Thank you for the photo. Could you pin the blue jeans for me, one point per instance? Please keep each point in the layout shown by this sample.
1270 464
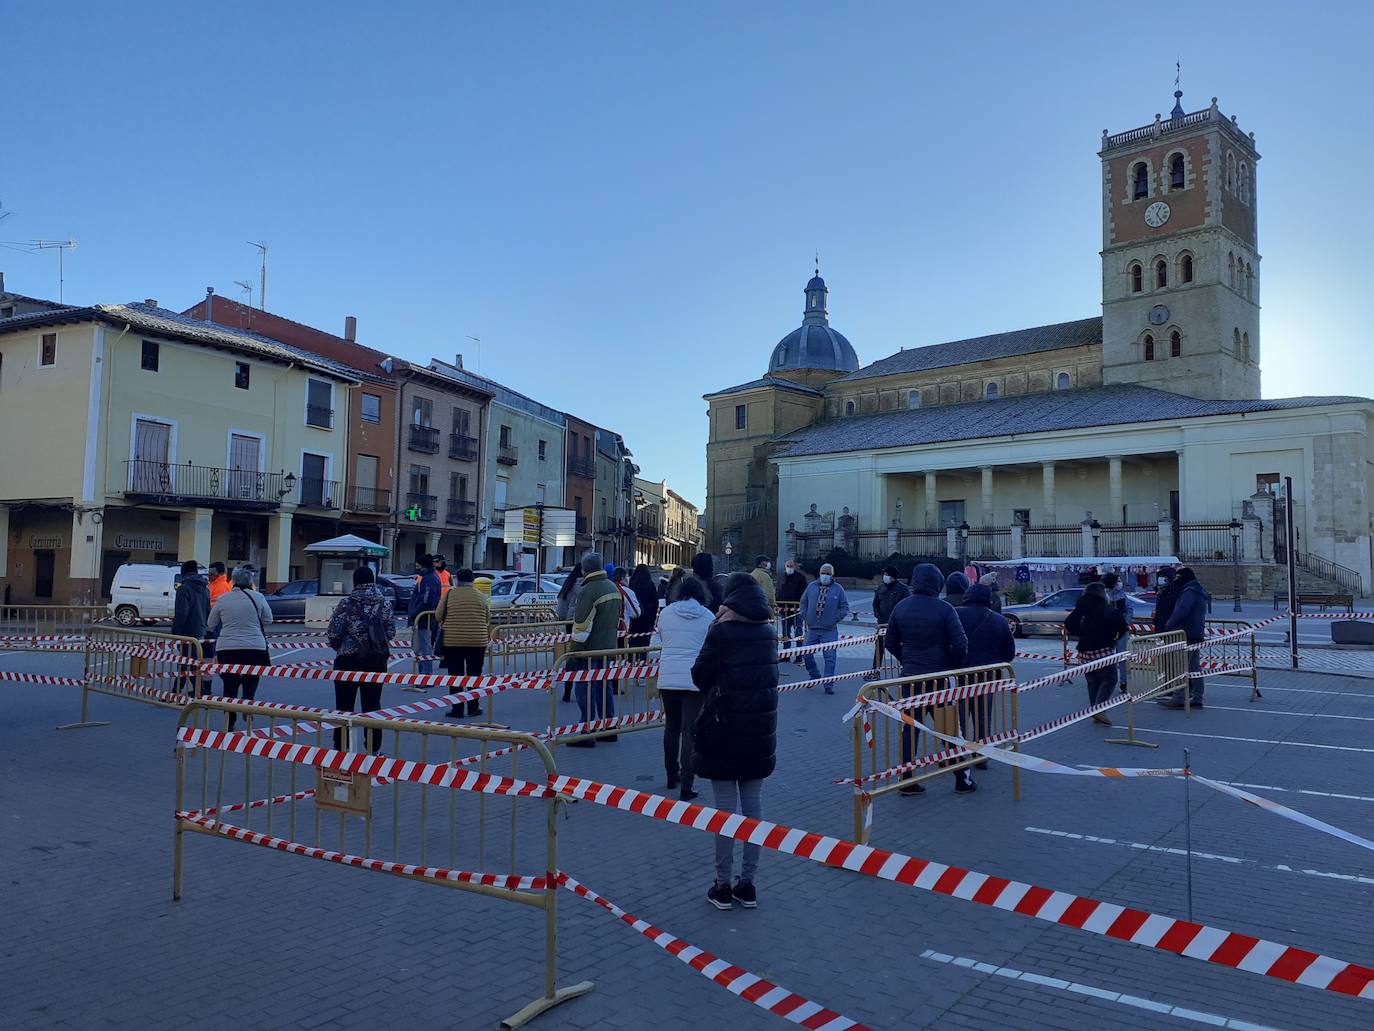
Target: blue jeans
424 644
820 637
595 698
744 797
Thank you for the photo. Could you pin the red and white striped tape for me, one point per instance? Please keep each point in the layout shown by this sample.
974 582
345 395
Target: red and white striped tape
40 678
825 646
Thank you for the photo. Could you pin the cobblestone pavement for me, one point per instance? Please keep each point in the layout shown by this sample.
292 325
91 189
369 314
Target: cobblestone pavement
264 939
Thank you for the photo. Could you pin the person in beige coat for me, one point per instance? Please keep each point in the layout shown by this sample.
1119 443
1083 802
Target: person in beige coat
764 578
465 619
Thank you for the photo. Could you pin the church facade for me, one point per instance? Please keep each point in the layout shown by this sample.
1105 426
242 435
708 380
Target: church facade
1141 431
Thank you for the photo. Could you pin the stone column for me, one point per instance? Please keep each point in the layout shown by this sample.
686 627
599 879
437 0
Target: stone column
932 503
1166 536
1047 481
987 494
1114 479
87 542
279 549
1018 541
894 537
789 546
193 537
389 542
432 542
1251 539
1089 545
951 542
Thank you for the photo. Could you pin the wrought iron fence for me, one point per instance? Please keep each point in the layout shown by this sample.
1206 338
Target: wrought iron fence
1204 542
922 542
461 512
1053 541
424 439
170 480
319 493
987 542
462 446
1130 539
369 499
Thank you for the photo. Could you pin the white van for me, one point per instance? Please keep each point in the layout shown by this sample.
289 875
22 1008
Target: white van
142 591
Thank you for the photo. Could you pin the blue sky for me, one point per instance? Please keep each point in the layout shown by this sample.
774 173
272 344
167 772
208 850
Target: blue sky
622 199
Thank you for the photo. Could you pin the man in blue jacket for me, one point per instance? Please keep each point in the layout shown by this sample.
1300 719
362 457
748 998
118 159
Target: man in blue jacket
823 605
428 590
1189 615
990 643
925 635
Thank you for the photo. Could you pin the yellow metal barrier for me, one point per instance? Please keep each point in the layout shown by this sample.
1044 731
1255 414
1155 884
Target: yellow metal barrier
631 693
422 821
887 744
514 615
1158 665
511 655
1234 652
139 665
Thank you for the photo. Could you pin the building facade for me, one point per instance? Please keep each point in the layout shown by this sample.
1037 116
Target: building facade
666 529
1147 420
614 513
579 481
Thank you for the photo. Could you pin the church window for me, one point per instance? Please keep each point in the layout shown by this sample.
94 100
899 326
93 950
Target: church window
1245 347
1175 345
1230 172
849 408
1149 348
1176 172
1231 271
1249 281
990 391
1161 274
1243 182
1063 381
913 399
1140 180
741 417
1185 269
1235 343
1137 277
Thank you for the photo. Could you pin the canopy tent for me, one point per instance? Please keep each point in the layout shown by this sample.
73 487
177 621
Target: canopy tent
348 544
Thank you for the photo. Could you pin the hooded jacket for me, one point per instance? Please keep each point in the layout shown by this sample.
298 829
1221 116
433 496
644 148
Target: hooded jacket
192 607
827 614
219 586
350 625
737 670
1189 612
1165 600
990 640
885 599
1097 624
682 628
924 632
704 569
956 587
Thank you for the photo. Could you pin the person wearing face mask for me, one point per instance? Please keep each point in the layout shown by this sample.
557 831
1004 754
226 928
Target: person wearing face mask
764 578
790 590
885 599
1165 599
823 605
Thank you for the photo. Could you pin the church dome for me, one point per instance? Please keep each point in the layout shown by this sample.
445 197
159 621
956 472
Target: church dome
814 345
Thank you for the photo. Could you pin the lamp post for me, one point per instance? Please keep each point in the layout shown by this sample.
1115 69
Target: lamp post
1235 528
963 543
729 550
1096 529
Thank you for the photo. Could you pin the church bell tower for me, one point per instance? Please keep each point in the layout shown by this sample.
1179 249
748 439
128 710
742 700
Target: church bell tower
1180 264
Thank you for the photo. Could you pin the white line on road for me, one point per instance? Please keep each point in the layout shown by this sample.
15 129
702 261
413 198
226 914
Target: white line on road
1314 690
1272 787
1288 712
1121 998
1141 847
1258 740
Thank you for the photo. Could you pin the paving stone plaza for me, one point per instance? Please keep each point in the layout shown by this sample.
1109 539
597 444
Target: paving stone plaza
266 939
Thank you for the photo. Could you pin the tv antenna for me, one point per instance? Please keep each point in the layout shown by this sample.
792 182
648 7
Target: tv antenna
478 342
262 280
246 286
61 246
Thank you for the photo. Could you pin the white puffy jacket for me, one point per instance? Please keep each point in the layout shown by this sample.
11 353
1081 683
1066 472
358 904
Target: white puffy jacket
681 632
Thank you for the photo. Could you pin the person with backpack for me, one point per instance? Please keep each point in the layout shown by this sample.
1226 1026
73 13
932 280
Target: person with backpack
465 618
1098 626
360 632
736 735
240 619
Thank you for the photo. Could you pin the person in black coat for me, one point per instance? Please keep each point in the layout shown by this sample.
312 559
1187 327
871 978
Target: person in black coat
1166 598
791 587
736 734
925 635
1098 626
704 569
642 626
990 643
885 599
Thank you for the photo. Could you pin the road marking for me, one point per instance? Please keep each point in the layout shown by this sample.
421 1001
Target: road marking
1272 787
1121 998
1141 847
1257 740
1314 690
1288 712
293 651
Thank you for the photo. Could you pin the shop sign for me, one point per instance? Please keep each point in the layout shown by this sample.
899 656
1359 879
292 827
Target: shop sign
134 542
44 543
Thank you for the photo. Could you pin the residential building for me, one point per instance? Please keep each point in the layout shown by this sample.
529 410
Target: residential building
1144 425
12 304
525 461
614 520
579 490
666 530
129 432
369 506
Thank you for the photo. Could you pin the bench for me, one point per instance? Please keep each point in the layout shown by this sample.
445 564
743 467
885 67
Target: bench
1324 601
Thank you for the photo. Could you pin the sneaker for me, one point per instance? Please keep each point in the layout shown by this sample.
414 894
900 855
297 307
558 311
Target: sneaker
721 896
912 789
586 742
964 785
745 895
455 714
1196 704
1101 717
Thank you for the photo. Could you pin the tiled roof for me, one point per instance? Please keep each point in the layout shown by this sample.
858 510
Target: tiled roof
977 349
767 381
167 323
1031 413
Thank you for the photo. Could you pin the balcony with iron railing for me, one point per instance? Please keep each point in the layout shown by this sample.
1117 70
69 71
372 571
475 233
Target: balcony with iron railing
425 506
319 493
319 416
461 512
170 483
462 447
424 439
372 500
508 454
582 467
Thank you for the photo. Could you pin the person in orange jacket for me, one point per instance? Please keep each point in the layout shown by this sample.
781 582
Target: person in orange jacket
219 583
441 571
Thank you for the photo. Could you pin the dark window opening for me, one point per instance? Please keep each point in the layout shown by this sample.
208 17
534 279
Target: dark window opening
48 354
1140 181
1175 345
241 375
741 417
150 357
1161 274
1149 348
1137 279
1176 177
1186 272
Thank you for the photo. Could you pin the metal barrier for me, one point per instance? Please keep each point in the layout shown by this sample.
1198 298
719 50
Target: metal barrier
1235 656
316 780
1158 665
982 698
513 615
787 622
626 678
142 666
21 621
528 647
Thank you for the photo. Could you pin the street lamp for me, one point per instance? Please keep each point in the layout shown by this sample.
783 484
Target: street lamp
1234 527
963 543
729 550
1096 529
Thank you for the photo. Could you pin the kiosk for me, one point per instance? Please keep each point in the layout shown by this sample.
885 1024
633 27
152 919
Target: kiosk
336 559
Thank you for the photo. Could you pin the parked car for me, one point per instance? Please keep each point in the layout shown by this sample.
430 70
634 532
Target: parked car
288 601
403 586
523 592
142 591
1044 617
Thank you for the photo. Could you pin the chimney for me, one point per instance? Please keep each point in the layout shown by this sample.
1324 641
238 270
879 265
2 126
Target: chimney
209 304
2 282
350 328
458 360
151 302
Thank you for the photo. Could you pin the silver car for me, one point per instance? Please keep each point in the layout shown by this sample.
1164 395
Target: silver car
1046 616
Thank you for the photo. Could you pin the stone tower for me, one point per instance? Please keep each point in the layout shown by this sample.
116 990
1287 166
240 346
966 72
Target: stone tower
1180 267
